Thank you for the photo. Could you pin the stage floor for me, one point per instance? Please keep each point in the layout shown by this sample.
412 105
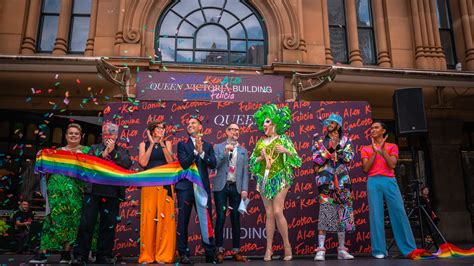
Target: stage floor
299 261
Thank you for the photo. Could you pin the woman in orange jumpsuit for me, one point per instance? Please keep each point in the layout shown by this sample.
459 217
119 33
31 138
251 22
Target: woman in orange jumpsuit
157 220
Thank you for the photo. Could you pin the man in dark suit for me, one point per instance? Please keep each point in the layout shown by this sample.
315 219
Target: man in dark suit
193 150
102 199
230 185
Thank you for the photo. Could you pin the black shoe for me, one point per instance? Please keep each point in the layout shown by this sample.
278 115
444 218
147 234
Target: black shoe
65 257
106 260
79 261
185 260
212 259
40 257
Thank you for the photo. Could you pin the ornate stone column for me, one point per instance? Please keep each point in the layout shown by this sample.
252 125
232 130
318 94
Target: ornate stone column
424 35
62 38
430 31
92 25
420 59
355 59
327 38
468 32
28 46
383 57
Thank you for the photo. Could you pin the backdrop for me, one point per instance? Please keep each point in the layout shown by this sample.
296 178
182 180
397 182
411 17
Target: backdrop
301 207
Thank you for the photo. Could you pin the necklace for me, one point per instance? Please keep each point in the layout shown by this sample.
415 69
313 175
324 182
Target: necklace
269 140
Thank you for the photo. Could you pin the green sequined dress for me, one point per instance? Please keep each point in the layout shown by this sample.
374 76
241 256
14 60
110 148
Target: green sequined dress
281 172
65 196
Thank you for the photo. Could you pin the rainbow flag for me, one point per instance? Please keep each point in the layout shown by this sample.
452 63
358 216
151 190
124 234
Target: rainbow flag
96 170
446 250
99 171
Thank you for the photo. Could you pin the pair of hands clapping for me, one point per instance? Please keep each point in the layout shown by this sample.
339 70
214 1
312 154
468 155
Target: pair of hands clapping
109 147
152 140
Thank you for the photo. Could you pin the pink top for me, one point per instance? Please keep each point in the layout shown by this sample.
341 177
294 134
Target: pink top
380 167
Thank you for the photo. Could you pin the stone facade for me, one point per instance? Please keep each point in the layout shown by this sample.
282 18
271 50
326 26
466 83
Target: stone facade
408 52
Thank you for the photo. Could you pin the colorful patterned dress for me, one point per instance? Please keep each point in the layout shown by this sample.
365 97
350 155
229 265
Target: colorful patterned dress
281 171
334 184
65 200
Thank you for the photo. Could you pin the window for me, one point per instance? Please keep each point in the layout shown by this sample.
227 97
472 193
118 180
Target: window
446 32
31 131
48 25
365 31
337 31
5 126
79 31
211 32
57 135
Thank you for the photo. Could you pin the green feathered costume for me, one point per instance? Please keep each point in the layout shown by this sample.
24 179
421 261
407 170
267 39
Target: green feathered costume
281 171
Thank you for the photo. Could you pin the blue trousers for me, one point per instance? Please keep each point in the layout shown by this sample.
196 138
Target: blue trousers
378 189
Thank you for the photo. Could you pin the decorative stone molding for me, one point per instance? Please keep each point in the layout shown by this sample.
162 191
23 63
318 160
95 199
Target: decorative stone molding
132 36
290 22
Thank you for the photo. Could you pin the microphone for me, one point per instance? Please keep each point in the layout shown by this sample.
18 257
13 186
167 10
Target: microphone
231 152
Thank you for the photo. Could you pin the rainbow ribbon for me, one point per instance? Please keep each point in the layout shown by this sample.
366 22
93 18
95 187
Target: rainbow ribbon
446 250
96 170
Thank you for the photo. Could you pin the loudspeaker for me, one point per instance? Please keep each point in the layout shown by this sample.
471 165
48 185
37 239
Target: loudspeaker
409 111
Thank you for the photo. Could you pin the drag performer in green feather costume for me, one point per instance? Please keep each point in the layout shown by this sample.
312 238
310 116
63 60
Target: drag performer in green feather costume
272 162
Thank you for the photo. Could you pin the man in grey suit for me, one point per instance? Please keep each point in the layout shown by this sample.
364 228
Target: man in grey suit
230 185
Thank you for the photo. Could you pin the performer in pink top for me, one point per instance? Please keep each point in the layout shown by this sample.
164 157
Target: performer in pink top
378 161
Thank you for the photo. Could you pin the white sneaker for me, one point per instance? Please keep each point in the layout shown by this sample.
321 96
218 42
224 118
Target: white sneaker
379 256
342 254
320 254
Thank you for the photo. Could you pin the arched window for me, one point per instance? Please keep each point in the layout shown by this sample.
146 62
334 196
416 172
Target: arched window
211 32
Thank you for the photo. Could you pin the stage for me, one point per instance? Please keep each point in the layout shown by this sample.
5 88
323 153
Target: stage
300 261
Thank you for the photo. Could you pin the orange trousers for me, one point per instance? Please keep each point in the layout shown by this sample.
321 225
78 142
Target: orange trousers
157 225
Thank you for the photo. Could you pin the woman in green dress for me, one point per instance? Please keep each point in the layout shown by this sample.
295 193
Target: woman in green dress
64 196
272 162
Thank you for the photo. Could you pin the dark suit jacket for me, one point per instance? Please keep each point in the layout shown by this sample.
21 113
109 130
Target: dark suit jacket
120 157
186 158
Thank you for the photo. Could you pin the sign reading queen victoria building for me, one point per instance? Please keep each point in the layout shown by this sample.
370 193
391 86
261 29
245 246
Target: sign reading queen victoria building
157 86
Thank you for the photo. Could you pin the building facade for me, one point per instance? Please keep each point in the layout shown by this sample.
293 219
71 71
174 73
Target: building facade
71 57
